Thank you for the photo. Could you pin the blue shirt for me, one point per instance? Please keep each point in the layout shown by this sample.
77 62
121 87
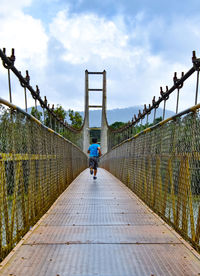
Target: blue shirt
94 150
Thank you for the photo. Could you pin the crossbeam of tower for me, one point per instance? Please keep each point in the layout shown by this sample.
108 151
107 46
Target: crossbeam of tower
104 127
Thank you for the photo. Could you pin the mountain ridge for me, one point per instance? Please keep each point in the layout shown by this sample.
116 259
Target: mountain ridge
117 115
122 115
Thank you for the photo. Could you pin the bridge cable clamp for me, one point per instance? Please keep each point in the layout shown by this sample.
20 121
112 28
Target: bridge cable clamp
177 82
11 59
195 61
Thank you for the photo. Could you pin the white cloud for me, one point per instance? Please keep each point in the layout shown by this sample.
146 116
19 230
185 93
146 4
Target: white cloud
137 57
27 36
11 6
135 73
86 35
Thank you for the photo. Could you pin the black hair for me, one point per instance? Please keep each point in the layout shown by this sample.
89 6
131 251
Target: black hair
94 140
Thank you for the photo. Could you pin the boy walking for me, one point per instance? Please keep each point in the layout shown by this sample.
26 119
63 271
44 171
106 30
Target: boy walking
94 151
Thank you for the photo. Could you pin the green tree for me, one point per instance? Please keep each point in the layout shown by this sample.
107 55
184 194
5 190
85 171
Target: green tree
117 125
75 118
47 119
50 121
37 114
60 112
157 120
95 132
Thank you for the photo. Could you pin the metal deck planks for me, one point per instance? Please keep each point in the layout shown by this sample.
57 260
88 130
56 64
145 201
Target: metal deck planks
99 227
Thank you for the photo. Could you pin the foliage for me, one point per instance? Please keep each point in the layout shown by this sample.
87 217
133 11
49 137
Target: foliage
157 120
95 133
37 114
60 112
75 118
5 137
117 125
50 120
47 119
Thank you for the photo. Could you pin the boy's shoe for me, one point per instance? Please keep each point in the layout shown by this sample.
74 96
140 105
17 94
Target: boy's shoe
91 171
94 177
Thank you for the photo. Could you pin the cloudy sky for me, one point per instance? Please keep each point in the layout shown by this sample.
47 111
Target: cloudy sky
140 43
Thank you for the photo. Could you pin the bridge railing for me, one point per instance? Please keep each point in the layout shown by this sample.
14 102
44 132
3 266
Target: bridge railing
35 168
142 119
162 166
49 117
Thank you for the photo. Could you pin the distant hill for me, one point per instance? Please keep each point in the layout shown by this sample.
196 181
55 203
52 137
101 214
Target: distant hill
118 114
122 115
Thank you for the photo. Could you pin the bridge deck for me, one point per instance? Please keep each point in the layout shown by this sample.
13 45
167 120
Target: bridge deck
101 228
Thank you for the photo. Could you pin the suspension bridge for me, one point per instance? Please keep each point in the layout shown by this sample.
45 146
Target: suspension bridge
140 217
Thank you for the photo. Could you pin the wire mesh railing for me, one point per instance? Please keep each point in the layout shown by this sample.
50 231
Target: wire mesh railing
36 166
141 121
161 164
49 117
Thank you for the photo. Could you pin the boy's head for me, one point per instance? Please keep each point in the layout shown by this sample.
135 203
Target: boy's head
94 140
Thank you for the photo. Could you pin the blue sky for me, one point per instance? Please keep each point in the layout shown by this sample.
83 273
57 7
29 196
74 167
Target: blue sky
139 43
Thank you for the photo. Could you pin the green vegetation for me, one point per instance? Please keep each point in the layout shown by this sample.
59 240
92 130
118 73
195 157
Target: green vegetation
75 118
139 128
51 121
37 114
117 125
60 112
156 121
95 132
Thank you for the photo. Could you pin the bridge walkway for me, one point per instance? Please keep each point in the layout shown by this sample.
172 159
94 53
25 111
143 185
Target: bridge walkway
101 228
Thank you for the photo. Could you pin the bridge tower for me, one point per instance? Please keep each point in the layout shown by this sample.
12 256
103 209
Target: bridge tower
104 127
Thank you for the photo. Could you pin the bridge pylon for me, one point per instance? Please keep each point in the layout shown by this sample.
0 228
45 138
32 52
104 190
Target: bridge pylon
104 125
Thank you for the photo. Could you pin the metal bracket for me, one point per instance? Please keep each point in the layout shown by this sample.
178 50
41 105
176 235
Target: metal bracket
177 81
11 59
195 61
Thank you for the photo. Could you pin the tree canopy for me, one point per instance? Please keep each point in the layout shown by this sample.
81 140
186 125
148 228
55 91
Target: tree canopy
117 125
37 114
60 112
75 118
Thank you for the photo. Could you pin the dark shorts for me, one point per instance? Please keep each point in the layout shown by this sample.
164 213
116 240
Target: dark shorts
93 162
